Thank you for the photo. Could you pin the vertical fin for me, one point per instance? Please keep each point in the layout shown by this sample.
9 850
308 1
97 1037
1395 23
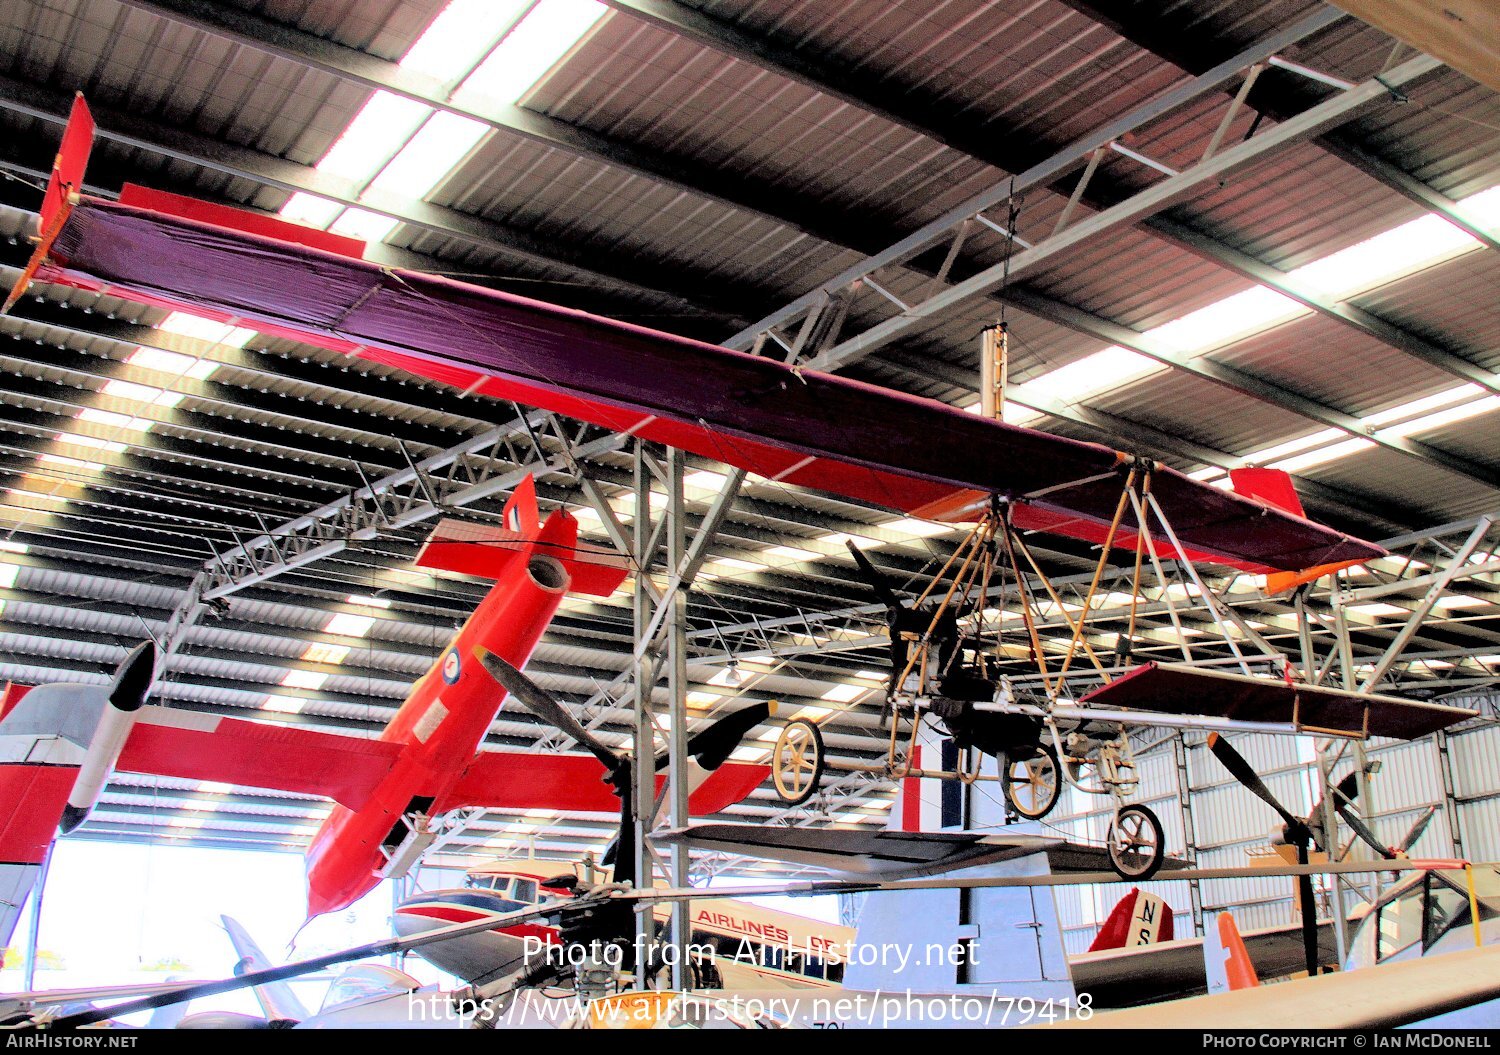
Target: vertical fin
1271 486
1138 918
276 998
1274 488
521 513
1226 962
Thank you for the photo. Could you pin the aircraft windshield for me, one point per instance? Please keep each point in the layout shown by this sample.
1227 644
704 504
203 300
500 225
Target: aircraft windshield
366 981
516 888
1425 911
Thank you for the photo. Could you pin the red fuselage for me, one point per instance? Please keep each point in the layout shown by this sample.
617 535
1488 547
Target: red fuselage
440 728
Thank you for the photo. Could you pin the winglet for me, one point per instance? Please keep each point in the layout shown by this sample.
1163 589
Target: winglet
63 187
1226 961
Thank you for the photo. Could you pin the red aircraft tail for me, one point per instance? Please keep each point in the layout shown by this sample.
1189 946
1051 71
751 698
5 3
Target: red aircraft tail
485 551
1138 918
1274 488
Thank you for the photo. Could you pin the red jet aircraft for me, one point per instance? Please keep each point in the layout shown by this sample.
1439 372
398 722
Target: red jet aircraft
59 743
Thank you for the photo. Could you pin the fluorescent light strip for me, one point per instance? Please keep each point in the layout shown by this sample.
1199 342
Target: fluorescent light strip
405 148
1384 258
347 625
304 679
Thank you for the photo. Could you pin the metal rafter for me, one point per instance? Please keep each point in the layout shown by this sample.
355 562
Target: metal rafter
1277 94
673 285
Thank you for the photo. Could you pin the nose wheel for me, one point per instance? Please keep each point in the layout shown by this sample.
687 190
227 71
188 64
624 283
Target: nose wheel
797 761
1136 843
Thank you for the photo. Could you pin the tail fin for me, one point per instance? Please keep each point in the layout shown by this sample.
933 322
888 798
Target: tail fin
1226 962
1274 488
276 998
486 551
1138 918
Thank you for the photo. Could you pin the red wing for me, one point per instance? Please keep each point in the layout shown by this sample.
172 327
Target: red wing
802 427
1173 688
35 796
195 746
515 780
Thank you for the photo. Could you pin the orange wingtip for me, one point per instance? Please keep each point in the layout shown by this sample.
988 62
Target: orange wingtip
1282 581
1238 968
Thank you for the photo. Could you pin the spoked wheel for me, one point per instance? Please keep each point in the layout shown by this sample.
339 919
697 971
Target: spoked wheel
797 761
1033 785
1137 844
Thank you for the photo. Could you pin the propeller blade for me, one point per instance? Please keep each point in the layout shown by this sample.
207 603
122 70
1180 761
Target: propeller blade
1241 770
1417 829
712 747
133 677
1345 792
619 855
1309 914
540 703
1360 828
873 577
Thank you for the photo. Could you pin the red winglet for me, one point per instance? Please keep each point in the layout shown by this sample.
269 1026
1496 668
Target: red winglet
62 187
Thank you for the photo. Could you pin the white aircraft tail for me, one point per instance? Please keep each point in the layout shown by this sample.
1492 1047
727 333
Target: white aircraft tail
1226 962
276 999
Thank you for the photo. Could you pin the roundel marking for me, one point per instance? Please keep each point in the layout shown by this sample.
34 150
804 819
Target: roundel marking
452 667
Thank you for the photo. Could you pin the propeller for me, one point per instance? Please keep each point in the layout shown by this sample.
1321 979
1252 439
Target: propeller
711 747
875 579
1298 833
537 700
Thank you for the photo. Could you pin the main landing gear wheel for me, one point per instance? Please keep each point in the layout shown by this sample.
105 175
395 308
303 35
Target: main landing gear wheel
797 761
1137 844
1032 786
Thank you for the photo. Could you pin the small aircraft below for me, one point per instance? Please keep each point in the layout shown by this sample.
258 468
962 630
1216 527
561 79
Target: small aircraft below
64 740
1424 953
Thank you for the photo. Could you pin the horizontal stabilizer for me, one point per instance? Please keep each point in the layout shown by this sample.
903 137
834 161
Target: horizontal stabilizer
485 551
